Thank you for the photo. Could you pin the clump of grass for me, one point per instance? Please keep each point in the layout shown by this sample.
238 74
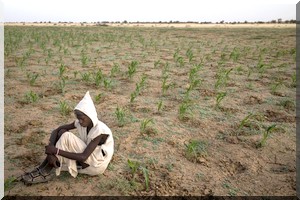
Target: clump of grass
195 150
294 80
265 136
9 183
31 97
120 114
275 86
64 108
232 191
288 104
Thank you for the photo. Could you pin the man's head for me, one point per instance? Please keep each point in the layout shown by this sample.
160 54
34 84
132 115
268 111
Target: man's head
84 120
86 107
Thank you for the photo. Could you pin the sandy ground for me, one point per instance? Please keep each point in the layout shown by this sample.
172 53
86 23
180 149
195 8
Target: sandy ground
224 89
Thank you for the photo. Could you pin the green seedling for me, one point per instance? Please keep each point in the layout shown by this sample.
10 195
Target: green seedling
222 78
275 86
265 136
165 86
195 150
245 120
235 54
145 125
132 69
294 80
146 176
120 114
190 54
193 72
62 85
133 95
64 108
32 78
165 70
135 167
86 77
142 83
115 70
160 106
175 55
75 74
98 77
62 70
193 84
180 61
184 110
219 98
84 60
107 83
31 97
98 98
223 57
157 63
139 87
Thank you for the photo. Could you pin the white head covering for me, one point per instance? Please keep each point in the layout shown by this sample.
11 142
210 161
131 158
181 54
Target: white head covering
86 105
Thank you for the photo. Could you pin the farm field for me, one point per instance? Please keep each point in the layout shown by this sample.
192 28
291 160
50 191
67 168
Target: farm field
193 111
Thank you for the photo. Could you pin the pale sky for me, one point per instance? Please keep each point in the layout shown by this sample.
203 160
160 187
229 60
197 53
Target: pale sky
148 10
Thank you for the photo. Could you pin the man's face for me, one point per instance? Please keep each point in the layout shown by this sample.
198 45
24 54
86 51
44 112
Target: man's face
84 120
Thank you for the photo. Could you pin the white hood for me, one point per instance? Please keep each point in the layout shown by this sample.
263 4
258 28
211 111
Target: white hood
86 105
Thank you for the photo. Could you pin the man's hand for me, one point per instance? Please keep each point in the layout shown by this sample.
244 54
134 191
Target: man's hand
50 149
53 161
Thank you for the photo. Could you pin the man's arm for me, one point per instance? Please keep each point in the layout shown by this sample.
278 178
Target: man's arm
55 135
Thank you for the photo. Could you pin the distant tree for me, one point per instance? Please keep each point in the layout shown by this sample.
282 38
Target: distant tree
279 21
125 22
222 22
